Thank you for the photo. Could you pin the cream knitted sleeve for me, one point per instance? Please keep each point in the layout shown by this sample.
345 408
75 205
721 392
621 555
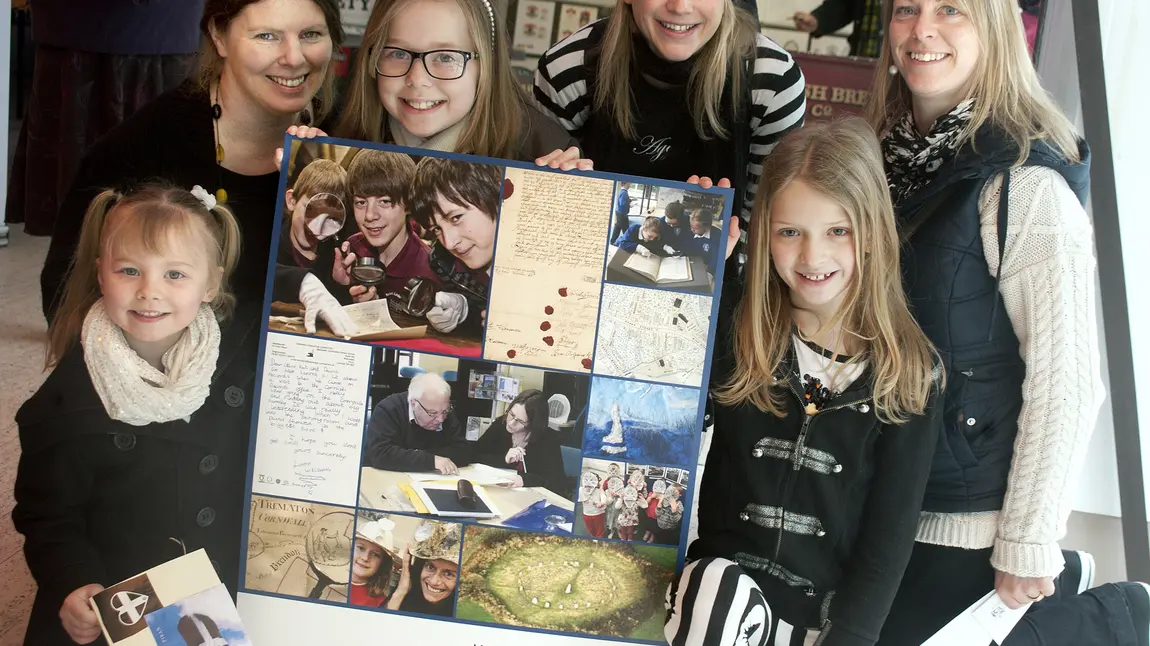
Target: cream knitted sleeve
1048 287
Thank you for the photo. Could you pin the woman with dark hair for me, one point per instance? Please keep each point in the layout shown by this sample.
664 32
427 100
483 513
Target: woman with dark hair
520 438
262 64
432 560
220 131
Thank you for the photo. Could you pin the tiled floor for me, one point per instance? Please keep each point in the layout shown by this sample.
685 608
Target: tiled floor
21 362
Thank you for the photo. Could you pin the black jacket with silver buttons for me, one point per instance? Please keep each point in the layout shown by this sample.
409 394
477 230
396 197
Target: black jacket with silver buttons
99 501
820 510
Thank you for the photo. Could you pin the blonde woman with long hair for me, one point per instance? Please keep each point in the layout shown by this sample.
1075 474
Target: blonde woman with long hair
988 179
825 415
675 90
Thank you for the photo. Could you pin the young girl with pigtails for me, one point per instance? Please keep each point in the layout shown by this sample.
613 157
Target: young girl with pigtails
134 447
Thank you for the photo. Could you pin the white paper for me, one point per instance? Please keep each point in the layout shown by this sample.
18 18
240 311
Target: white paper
986 621
312 410
998 619
371 316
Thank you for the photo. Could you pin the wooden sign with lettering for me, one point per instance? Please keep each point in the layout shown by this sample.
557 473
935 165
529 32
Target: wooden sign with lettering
835 84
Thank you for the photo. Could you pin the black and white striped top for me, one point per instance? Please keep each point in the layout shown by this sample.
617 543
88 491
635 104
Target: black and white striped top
778 98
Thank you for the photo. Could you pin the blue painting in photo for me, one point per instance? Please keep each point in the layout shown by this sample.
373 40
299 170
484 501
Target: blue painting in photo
640 422
205 619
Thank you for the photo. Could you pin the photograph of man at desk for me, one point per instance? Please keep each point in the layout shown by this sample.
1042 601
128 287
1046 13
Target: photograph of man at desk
672 240
411 267
473 440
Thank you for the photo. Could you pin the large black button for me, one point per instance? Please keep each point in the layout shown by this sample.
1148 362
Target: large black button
206 517
209 464
124 441
234 396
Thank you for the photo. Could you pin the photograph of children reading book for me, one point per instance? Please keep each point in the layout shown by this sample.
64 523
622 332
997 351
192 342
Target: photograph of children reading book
473 440
377 247
664 237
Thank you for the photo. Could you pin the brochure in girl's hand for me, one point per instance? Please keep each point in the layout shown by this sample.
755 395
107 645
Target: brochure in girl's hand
178 603
372 509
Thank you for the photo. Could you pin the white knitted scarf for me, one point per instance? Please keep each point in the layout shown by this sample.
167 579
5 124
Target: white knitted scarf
135 392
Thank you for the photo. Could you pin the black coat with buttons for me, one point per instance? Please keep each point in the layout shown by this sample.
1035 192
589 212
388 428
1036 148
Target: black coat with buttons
820 510
99 501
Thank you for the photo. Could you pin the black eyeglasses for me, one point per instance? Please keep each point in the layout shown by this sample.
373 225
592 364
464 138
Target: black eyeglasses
442 64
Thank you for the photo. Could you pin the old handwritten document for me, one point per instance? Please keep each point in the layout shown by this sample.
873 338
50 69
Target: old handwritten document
548 270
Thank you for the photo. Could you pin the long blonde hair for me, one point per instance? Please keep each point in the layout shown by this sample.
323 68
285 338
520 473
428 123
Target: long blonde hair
842 161
498 117
1004 84
721 60
144 218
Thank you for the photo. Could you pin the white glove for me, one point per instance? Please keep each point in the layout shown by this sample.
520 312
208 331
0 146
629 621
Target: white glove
449 311
670 251
317 301
643 251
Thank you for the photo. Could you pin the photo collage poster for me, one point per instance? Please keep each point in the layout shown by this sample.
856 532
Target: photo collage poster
370 508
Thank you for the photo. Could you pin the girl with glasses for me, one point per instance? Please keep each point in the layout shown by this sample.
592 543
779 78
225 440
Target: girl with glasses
521 440
435 74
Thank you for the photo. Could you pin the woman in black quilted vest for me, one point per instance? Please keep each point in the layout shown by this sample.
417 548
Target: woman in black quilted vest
988 180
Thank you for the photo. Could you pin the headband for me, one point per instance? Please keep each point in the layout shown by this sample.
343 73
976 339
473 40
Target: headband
491 17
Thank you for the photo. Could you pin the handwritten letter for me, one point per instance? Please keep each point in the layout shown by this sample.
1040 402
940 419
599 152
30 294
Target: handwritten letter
548 270
312 409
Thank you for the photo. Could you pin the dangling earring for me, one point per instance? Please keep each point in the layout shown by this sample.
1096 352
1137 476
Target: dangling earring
217 111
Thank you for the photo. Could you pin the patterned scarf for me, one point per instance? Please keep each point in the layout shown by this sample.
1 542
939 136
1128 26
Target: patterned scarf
135 392
912 160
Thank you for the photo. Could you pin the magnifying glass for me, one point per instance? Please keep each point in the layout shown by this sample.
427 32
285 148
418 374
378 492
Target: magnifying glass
367 271
416 298
324 216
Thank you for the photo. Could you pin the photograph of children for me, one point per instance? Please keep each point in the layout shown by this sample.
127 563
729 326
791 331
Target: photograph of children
405 563
640 422
664 237
410 265
628 502
299 549
564 584
417 449
205 619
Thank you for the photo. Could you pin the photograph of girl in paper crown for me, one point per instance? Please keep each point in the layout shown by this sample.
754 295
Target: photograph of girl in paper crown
405 563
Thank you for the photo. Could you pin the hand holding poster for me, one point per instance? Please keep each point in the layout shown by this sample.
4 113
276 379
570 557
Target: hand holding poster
519 464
